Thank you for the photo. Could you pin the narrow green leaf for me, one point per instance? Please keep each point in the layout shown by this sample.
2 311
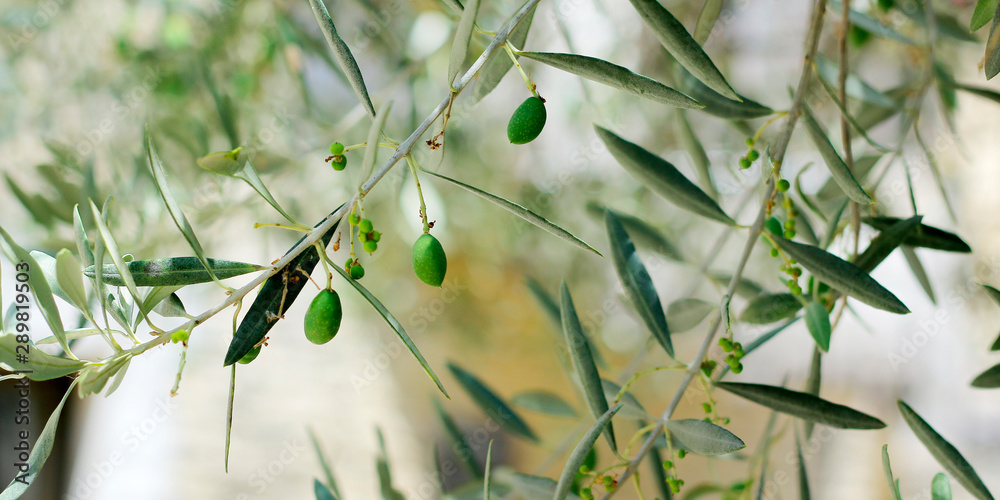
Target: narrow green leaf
854 87
227 163
719 105
613 75
945 453
175 271
37 284
982 14
343 54
887 471
322 492
838 169
499 63
992 63
171 307
39 365
633 408
889 238
924 237
671 33
978 91
520 211
842 275
551 308
637 283
940 487
120 376
251 177
388 492
583 362
818 323
82 243
804 493
544 402
706 20
870 24
276 295
703 438
662 177
913 261
745 287
698 156
486 474
331 482
862 166
77 334
580 452
533 487
685 314
463 35
804 406
48 266
642 233
492 404
459 444
39 453
769 308
71 279
374 134
93 380
989 379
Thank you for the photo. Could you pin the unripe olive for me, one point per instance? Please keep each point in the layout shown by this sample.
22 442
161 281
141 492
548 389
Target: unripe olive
179 336
365 226
354 219
250 356
370 246
429 261
339 162
336 148
357 272
376 236
784 185
527 121
323 317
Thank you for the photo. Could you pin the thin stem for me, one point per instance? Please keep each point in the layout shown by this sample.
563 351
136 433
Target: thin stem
423 207
509 48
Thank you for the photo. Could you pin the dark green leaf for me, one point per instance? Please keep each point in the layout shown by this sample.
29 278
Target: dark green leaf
322 492
804 406
979 91
637 283
855 86
842 275
982 14
671 33
804 493
818 323
992 63
924 237
945 453
662 177
580 452
721 106
39 453
643 234
940 487
889 238
989 379
519 211
583 362
838 169
174 271
703 438
544 402
766 309
490 403
343 54
613 75
459 444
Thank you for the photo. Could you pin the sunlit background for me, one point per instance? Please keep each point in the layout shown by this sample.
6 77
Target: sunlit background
80 80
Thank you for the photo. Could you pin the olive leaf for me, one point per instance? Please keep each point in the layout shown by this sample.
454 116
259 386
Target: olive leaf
803 405
175 271
887 472
82 242
637 283
544 402
913 261
989 379
769 308
842 275
71 280
551 308
924 236
580 452
671 33
838 169
490 403
870 24
463 36
613 75
40 452
487 473
37 283
940 487
697 151
343 54
642 233
321 491
662 177
93 380
519 211
39 365
706 20
944 453
719 105
818 323
703 438
331 482
992 58
633 408
374 133
499 63
459 444
583 362
890 237
804 493
685 314
854 86
982 14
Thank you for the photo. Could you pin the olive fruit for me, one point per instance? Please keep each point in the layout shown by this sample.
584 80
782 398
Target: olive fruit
527 121
339 162
357 272
336 148
429 261
354 219
370 246
365 226
250 356
323 317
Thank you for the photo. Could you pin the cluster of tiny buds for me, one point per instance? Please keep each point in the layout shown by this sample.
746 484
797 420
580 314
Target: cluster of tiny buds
673 481
751 156
735 350
608 482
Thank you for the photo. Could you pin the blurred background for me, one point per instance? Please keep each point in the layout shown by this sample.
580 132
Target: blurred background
79 80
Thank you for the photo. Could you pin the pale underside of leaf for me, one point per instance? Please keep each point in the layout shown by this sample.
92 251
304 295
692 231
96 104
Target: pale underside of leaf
343 54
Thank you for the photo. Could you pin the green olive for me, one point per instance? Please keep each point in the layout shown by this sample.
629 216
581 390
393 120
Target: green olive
527 121
339 162
323 317
429 261
357 272
365 226
370 246
336 148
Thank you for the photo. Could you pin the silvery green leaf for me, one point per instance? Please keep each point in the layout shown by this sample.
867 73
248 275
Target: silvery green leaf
172 307
93 380
769 308
499 63
43 366
544 402
175 271
492 404
945 453
719 105
698 156
463 35
842 275
613 75
671 33
940 487
989 379
637 282
583 362
706 20
685 314
802 405
250 176
887 472
633 409
703 438
374 134
838 169
870 24
519 211
487 473
662 177
48 267
992 64
70 278
343 54
580 452
82 243
818 323
37 284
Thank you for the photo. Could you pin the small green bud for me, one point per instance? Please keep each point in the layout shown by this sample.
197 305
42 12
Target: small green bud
354 219
179 336
789 234
784 185
681 453
774 252
667 465
370 246
357 272
749 141
707 407
338 162
365 226
336 148
753 155
725 344
376 236
737 368
745 163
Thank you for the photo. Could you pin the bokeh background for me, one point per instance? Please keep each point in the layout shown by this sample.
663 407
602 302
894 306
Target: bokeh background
79 80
